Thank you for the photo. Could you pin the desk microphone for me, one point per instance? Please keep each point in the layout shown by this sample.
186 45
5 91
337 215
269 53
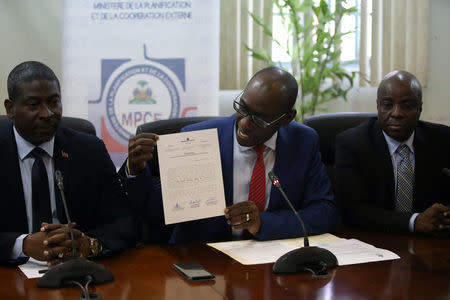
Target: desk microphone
313 259
75 270
446 172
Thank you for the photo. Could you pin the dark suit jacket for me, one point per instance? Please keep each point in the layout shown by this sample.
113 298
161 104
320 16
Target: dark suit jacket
302 176
94 195
365 183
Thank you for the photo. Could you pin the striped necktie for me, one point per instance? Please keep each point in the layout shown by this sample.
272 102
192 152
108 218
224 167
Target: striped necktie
405 180
257 192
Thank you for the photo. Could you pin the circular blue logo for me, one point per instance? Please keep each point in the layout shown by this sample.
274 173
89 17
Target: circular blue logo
140 94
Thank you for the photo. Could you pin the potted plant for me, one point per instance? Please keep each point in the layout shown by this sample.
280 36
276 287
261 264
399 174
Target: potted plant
313 46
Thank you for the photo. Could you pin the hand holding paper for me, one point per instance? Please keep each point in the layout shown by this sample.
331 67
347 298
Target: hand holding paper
140 150
244 215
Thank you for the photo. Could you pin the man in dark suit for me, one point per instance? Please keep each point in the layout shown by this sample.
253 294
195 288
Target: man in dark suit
264 122
32 147
390 170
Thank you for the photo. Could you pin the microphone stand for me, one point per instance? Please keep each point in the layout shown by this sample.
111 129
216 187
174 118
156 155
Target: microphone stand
308 258
75 270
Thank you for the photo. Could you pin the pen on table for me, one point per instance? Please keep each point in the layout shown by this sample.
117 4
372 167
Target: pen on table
42 271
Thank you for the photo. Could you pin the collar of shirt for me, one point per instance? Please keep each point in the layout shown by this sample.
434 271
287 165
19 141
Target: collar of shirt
24 147
393 144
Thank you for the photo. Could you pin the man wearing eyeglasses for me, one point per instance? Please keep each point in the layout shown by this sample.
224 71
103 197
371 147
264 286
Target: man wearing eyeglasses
260 137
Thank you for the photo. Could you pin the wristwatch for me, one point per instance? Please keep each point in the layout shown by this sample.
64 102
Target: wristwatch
95 247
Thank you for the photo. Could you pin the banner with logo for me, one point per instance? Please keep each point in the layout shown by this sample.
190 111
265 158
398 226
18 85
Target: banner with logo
126 63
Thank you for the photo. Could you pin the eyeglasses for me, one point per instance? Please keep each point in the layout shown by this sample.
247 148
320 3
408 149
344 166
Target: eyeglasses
243 110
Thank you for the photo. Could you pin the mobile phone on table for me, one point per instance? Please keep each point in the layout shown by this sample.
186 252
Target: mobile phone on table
193 271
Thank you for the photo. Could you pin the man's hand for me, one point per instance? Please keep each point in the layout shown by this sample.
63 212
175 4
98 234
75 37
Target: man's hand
63 251
53 243
140 150
33 245
59 243
244 215
435 219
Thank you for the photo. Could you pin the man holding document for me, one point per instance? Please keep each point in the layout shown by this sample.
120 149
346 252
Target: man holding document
259 138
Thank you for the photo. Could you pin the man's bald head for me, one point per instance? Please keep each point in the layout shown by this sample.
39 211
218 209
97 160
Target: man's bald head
268 97
277 82
404 78
399 104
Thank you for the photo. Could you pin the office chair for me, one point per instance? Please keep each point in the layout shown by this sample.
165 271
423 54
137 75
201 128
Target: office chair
328 126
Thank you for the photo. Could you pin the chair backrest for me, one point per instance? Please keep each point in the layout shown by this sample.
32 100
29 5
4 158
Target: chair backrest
330 125
170 125
165 127
77 124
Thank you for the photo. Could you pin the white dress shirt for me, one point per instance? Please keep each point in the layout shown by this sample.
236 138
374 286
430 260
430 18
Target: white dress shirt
244 159
26 164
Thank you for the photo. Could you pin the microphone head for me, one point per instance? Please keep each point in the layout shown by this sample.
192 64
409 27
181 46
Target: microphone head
58 176
273 177
59 179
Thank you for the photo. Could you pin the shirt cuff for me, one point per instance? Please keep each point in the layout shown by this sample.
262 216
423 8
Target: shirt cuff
17 249
126 171
411 222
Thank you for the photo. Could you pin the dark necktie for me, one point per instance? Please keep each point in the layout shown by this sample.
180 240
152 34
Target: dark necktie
405 180
40 191
257 192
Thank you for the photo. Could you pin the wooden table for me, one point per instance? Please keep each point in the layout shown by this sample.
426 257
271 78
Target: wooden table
423 272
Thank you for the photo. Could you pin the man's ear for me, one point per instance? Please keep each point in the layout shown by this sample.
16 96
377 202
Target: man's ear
9 106
289 117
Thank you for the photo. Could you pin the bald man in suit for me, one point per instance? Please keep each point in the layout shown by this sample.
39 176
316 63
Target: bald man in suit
390 170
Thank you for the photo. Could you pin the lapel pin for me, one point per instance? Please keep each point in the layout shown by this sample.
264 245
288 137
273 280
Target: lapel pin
64 154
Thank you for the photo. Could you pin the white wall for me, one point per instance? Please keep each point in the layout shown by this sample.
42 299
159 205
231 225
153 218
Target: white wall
32 30
29 30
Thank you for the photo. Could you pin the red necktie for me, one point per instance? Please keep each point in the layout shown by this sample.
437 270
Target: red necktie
257 191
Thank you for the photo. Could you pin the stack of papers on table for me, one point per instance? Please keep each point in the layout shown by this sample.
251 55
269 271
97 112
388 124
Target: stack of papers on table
347 251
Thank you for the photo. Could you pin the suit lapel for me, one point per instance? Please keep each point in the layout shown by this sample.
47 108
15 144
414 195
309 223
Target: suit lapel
282 162
10 157
420 163
226 141
383 166
61 157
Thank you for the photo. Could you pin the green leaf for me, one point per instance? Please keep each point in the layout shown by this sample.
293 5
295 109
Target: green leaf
312 45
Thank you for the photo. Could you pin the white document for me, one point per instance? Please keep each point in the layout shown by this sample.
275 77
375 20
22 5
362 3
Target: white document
347 252
353 251
191 175
32 267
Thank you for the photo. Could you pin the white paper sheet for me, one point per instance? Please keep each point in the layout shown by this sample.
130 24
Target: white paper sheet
32 267
347 251
191 175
